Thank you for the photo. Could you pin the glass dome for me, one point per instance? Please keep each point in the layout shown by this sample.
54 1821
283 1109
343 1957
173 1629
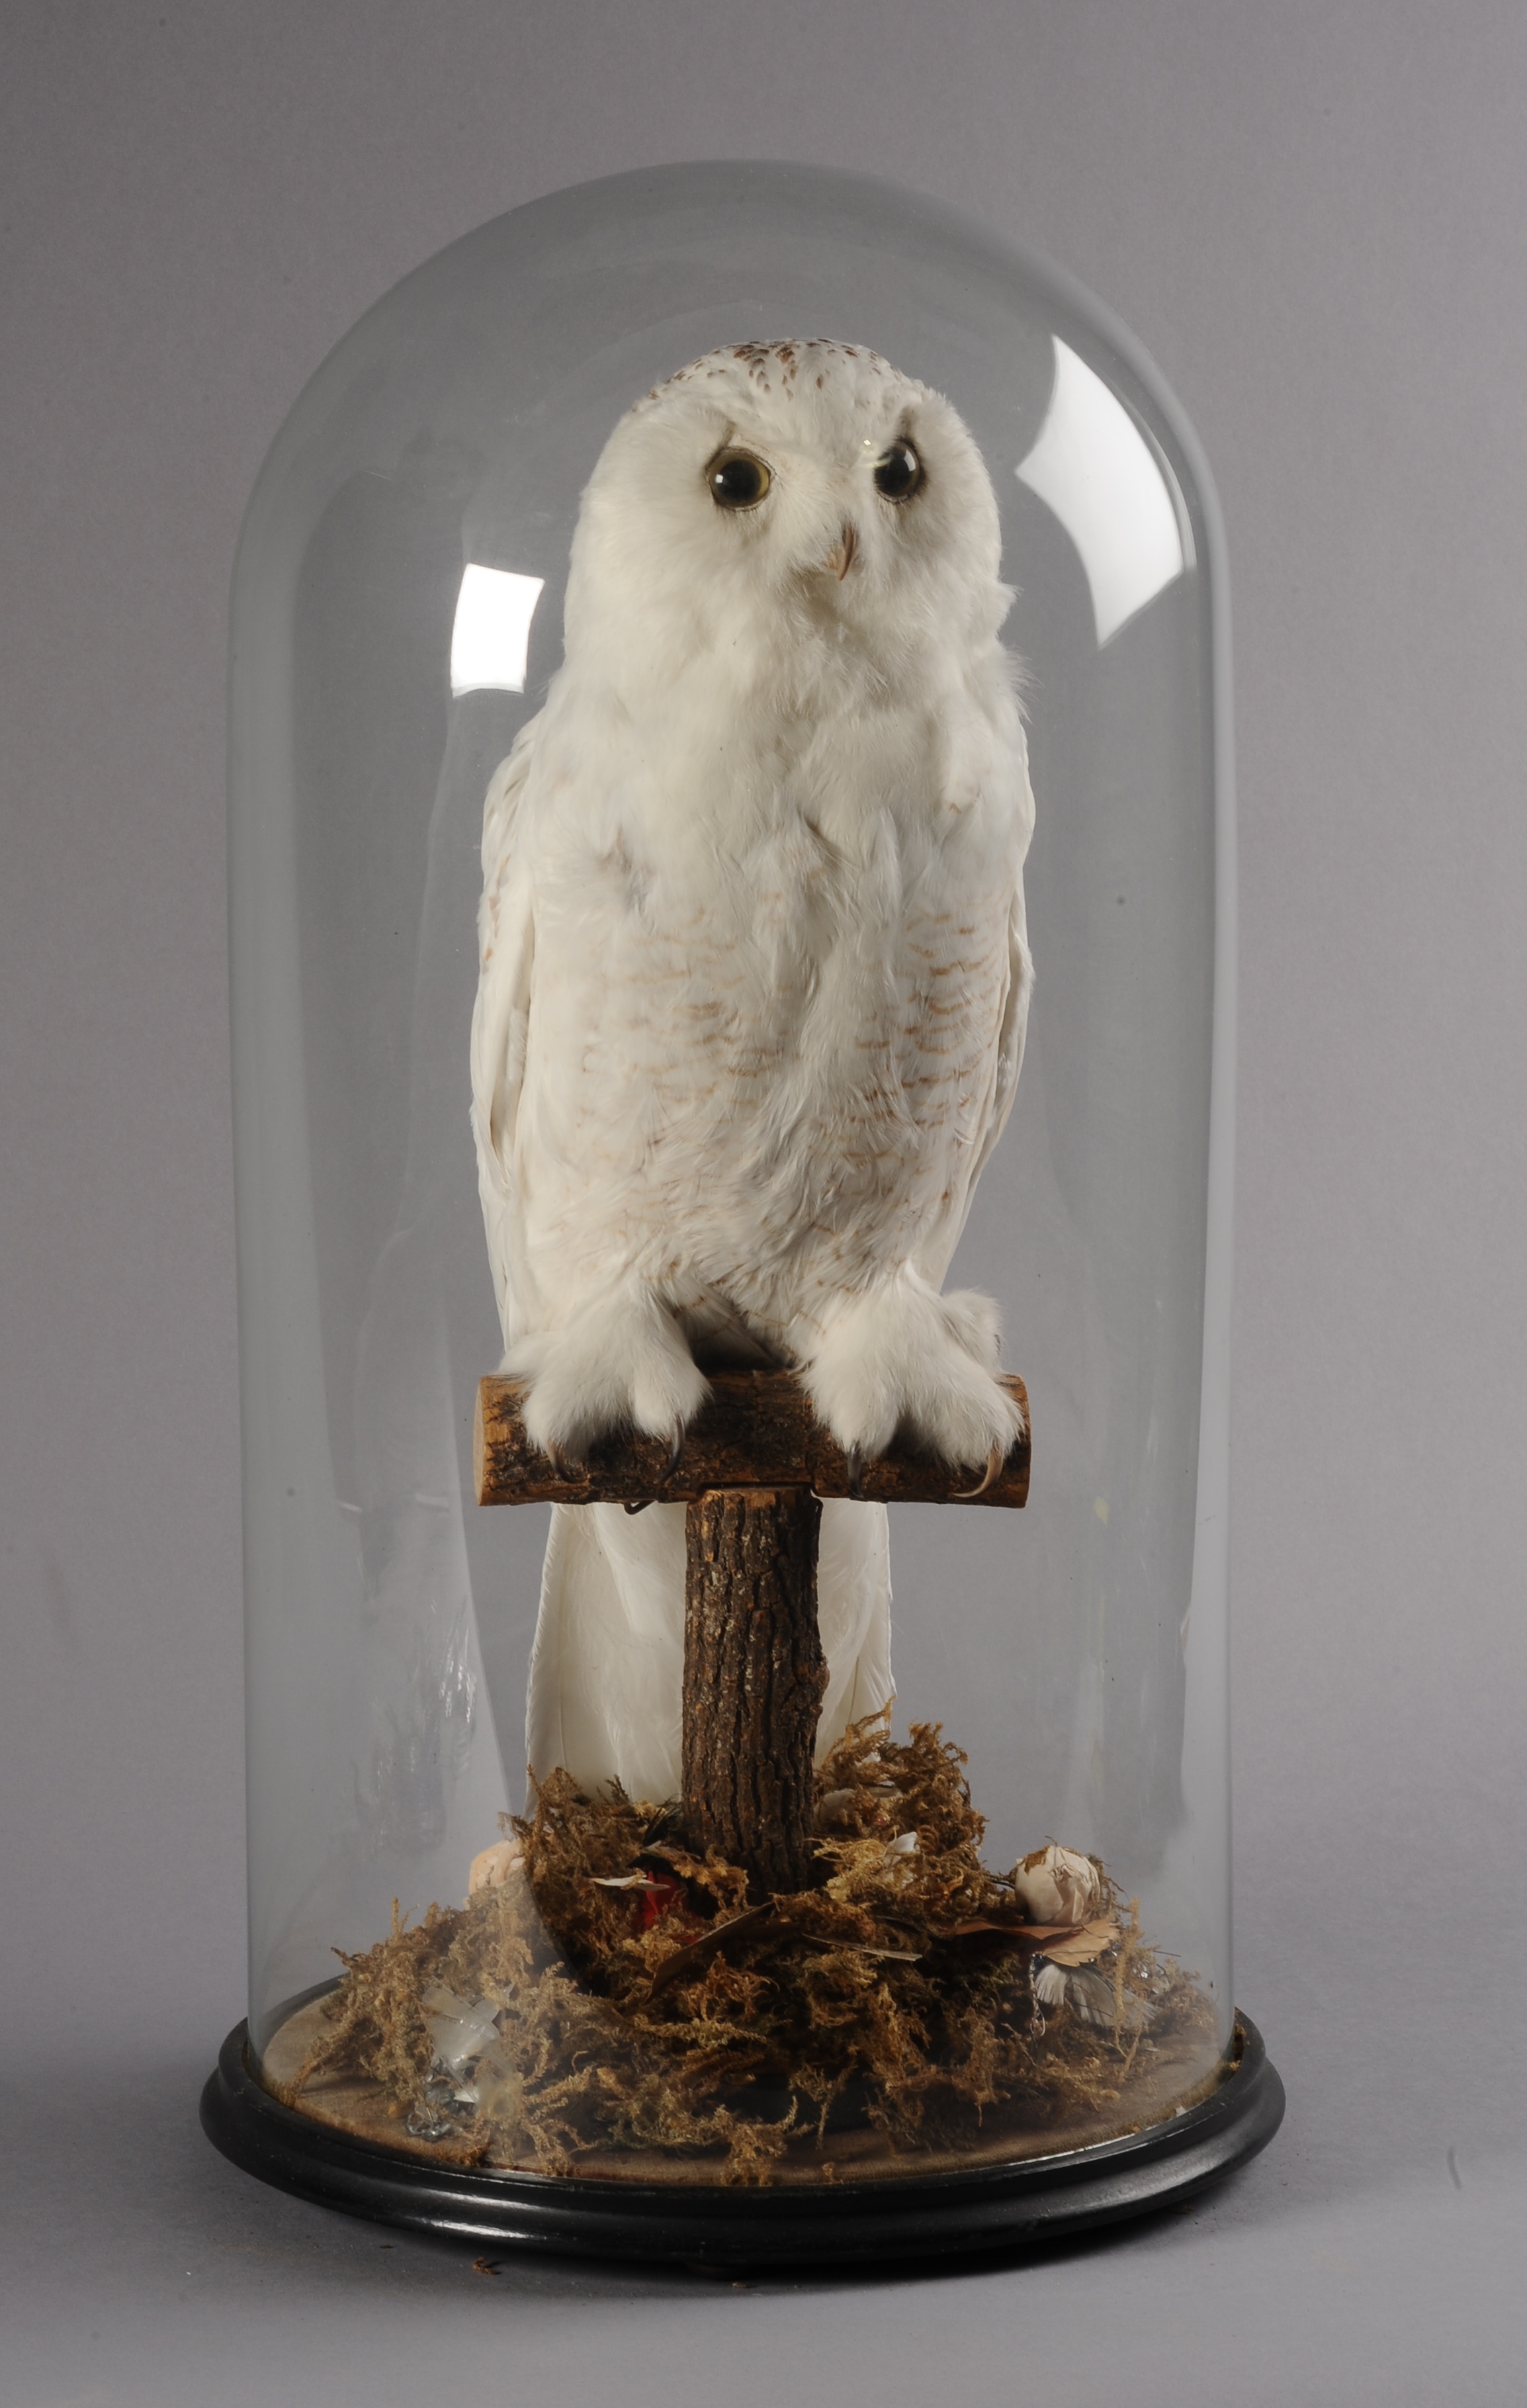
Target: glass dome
1008 1938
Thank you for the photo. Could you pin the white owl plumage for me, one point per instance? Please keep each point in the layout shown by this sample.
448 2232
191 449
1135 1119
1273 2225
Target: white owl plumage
753 986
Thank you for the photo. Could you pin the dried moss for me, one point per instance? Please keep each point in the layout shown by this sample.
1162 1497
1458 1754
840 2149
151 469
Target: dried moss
890 2012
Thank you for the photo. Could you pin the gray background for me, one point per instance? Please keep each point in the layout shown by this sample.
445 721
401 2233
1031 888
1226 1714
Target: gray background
1314 217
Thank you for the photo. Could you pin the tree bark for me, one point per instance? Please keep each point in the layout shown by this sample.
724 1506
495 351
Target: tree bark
755 1430
754 1674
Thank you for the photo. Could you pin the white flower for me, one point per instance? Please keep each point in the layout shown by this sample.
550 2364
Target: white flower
459 2028
898 1859
1055 1884
492 1867
1049 1984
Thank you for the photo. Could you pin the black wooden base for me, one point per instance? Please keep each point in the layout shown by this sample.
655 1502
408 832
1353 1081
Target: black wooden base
988 2207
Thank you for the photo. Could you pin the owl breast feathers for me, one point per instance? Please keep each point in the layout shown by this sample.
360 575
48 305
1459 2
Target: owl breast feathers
754 977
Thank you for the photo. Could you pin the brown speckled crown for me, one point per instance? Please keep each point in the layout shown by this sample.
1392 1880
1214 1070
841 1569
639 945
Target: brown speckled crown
758 358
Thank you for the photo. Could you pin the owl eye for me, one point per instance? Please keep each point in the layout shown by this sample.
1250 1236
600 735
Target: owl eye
899 473
737 481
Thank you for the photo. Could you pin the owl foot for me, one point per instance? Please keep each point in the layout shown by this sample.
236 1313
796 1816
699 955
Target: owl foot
620 1363
903 1356
994 1462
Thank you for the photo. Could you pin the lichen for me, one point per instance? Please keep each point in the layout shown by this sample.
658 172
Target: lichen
889 2012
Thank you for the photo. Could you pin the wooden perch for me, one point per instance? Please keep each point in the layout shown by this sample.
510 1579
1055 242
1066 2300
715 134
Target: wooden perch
754 1676
757 1431
753 1465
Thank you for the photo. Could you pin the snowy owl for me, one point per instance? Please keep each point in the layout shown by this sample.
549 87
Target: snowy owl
753 986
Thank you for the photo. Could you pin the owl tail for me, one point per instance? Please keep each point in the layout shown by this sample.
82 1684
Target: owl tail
607 1668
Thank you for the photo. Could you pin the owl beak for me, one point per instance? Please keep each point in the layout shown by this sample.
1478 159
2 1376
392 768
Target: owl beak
841 555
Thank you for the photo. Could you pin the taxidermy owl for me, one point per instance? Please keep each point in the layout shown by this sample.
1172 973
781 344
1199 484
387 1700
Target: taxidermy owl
753 987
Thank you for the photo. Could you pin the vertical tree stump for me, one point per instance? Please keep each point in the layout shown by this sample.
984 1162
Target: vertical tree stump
754 1674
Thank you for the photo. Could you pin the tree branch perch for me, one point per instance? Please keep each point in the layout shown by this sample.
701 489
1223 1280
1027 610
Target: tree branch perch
757 1431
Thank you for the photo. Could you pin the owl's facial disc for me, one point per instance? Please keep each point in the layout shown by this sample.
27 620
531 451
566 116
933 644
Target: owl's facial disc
898 476
824 476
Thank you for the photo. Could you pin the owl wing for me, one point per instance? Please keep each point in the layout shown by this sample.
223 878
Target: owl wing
1014 1029
500 1022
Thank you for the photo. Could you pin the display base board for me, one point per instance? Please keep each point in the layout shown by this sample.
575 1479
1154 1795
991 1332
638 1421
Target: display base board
917 2216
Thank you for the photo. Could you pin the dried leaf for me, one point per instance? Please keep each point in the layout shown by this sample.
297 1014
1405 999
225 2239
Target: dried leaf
1083 1945
862 1947
1027 1935
697 1954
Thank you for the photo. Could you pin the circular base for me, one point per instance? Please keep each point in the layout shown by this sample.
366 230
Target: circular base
989 2207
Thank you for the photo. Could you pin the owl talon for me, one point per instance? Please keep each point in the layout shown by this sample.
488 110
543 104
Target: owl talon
855 1460
676 1453
994 1462
621 1364
900 1356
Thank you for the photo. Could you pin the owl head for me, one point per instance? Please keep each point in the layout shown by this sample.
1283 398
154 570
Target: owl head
779 497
